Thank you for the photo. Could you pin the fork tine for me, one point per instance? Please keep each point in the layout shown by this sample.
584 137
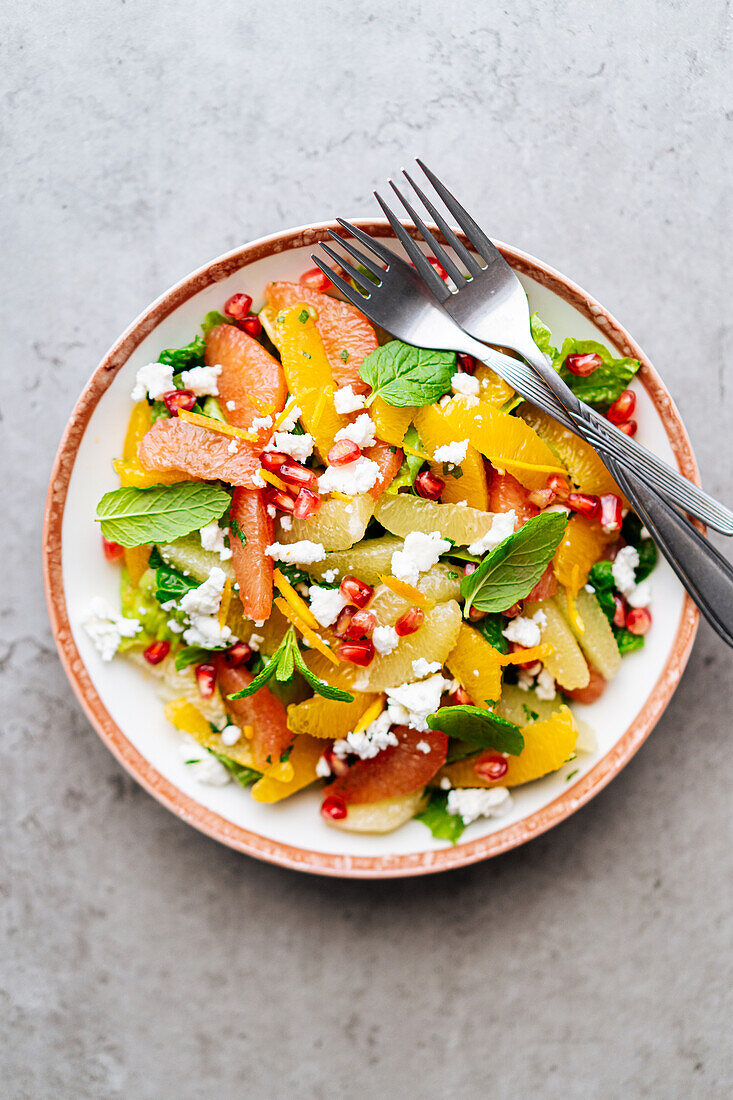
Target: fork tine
475 234
354 296
453 240
350 247
429 274
431 241
385 254
354 272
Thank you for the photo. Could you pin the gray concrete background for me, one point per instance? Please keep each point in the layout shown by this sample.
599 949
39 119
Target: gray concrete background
141 959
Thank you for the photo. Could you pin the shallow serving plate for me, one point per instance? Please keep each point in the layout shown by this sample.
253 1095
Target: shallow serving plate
121 702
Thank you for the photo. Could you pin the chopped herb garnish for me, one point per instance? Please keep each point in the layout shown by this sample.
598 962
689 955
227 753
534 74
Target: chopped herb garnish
530 715
236 530
303 316
573 773
344 355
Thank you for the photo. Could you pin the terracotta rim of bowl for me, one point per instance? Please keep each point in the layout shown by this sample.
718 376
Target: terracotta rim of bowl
388 866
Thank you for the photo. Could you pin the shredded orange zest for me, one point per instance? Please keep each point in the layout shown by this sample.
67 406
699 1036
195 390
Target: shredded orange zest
524 656
261 406
298 604
219 426
515 462
414 451
573 613
408 592
341 496
273 479
226 599
370 714
284 414
318 411
249 732
310 636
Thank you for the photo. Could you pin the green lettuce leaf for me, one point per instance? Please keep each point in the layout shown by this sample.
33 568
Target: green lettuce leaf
442 825
604 385
411 464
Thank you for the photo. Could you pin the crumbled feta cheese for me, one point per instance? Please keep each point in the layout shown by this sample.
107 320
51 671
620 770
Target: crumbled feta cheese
326 604
271 511
423 668
168 605
545 685
525 631
410 704
152 380
419 553
291 419
464 384
303 552
346 401
202 380
367 743
454 453
203 764
469 803
557 508
624 567
233 447
175 627
322 769
231 405
255 641
330 575
257 479
445 783
540 618
385 639
230 735
107 628
299 447
352 479
640 595
502 526
286 522
423 746
260 422
525 680
212 538
360 431
206 631
201 605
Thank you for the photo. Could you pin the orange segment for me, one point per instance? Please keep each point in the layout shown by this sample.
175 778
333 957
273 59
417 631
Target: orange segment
263 711
474 663
398 769
329 717
136 560
582 463
435 430
493 389
186 717
583 543
301 771
139 422
131 472
390 422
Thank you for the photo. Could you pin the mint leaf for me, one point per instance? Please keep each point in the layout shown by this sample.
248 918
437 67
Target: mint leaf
190 655
240 773
491 627
411 464
260 679
603 386
601 580
479 726
403 375
442 825
318 685
283 664
510 571
172 585
134 517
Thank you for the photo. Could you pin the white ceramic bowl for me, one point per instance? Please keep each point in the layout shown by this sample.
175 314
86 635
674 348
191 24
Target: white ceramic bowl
121 702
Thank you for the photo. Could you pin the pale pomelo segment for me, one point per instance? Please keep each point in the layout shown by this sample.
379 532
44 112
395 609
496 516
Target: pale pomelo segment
548 744
253 568
514 701
582 463
402 514
189 718
433 641
334 718
582 544
188 556
506 494
248 372
597 640
337 525
473 662
262 711
398 769
566 662
172 684
390 422
381 817
304 755
471 487
201 453
346 334
494 390
507 441
368 561
442 582
388 461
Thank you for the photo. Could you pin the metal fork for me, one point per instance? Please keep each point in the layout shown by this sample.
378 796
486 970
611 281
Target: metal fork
396 298
488 301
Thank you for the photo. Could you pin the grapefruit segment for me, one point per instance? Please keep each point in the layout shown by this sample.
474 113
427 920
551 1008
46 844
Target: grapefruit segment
388 461
262 711
253 568
176 445
506 493
247 370
398 769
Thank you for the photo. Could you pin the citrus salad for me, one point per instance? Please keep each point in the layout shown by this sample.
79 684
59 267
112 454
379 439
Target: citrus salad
367 567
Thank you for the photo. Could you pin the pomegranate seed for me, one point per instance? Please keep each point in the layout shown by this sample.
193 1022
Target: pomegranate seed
273 460
467 362
460 697
619 615
638 620
491 766
156 652
206 677
280 500
345 616
179 399
112 550
307 504
438 266
469 568
237 655
297 474
362 624
334 808
585 504
343 452
356 591
628 426
251 324
357 653
542 498
314 279
611 516
336 763
476 616
583 365
429 486
559 485
411 621
513 611
623 407
238 306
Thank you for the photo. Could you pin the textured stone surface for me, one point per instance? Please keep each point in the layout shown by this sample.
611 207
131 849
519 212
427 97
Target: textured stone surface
141 959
